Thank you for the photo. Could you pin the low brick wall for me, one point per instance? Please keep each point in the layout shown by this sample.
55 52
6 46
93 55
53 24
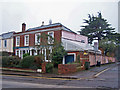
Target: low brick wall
67 68
44 67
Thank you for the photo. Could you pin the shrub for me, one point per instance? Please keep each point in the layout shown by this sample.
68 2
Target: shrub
57 55
87 65
33 66
10 61
49 67
5 61
38 60
31 62
26 54
27 61
4 53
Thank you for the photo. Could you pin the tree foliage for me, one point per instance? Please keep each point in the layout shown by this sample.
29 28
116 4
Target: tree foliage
97 28
109 46
57 54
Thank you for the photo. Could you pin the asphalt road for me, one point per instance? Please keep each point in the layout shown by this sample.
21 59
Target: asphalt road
107 79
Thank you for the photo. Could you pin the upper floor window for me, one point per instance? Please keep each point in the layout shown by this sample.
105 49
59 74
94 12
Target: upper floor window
5 43
26 40
37 39
18 41
50 37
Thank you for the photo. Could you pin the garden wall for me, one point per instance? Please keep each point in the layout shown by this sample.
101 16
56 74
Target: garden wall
67 68
103 59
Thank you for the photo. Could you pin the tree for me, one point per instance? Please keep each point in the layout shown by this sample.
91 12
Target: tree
109 46
97 28
43 45
57 54
58 50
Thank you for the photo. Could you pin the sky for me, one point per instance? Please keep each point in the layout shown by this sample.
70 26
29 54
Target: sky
70 13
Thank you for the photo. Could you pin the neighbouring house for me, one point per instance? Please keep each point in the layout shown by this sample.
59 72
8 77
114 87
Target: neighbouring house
26 42
6 42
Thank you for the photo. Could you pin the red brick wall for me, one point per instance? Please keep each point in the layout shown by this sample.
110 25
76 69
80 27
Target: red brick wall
57 36
83 58
44 67
66 68
22 41
31 39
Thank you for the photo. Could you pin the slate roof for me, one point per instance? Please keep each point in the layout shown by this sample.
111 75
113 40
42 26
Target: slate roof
50 25
7 35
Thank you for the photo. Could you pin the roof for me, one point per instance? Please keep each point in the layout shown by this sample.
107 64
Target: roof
49 26
75 46
7 35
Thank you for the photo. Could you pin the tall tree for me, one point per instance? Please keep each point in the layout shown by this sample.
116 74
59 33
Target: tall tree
97 28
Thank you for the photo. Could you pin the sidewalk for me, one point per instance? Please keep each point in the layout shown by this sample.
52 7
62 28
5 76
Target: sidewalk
81 74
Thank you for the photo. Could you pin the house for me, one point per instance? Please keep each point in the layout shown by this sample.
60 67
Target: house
27 41
6 42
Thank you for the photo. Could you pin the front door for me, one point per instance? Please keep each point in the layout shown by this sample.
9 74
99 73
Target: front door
69 59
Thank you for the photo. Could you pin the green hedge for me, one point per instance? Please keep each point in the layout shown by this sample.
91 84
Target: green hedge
31 62
27 62
49 67
10 61
26 54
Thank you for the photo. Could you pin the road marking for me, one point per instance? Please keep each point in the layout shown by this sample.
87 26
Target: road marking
100 72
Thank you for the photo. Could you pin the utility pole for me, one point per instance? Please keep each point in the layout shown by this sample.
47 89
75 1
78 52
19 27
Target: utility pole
95 49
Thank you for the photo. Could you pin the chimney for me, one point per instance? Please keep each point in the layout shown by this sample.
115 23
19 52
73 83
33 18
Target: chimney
23 27
42 23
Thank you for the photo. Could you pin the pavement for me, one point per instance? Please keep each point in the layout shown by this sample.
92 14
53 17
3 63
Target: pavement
93 72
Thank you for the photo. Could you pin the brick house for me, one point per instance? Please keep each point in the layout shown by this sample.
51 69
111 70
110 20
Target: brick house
27 40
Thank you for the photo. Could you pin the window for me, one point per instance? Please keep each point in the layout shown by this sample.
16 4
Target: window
37 39
5 43
18 41
26 40
50 37
82 41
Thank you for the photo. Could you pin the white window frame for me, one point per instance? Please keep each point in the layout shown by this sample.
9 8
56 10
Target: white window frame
36 42
6 43
17 41
72 54
52 37
25 44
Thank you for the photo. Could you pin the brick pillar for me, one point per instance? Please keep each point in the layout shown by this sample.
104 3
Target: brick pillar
44 67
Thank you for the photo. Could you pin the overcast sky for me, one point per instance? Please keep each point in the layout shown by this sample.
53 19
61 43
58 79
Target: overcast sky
70 13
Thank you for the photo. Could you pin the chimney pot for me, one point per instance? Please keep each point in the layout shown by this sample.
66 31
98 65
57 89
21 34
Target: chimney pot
23 27
42 23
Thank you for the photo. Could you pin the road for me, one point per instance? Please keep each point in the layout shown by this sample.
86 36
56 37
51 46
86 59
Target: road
107 79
